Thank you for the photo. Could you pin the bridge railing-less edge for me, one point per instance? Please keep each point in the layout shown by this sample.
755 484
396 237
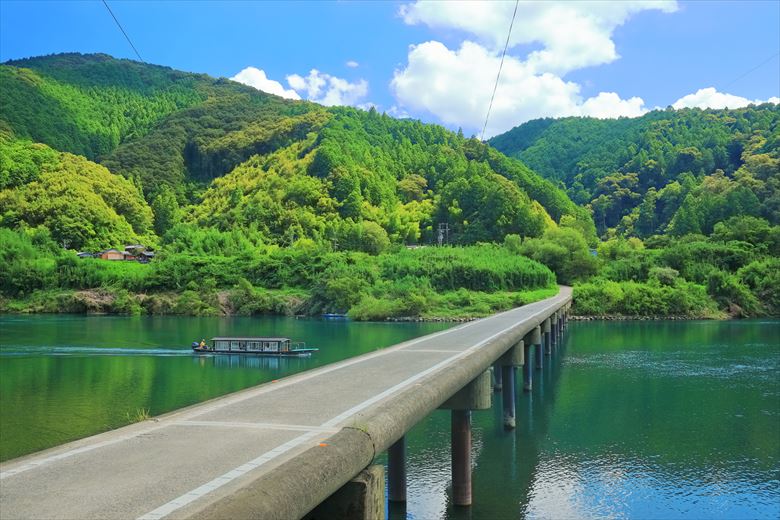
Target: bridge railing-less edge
298 485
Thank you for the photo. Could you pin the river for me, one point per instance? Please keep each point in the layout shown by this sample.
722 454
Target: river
633 420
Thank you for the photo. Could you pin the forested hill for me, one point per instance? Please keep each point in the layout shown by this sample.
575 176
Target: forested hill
89 104
213 154
669 171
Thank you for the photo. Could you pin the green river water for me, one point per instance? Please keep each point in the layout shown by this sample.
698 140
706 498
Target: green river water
632 420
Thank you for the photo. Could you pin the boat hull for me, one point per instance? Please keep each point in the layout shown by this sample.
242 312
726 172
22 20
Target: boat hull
290 353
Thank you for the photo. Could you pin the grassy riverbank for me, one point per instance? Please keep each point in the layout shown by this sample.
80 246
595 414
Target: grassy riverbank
731 273
302 280
453 305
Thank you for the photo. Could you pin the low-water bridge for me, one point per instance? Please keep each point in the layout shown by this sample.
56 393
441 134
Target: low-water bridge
302 446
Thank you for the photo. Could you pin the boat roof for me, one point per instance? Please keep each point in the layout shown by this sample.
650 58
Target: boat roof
247 338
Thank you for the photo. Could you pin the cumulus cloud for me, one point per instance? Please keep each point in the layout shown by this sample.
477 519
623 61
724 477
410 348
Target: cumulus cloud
609 105
456 87
328 90
455 84
352 64
573 34
256 78
710 98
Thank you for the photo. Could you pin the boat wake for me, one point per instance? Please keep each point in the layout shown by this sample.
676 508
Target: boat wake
12 350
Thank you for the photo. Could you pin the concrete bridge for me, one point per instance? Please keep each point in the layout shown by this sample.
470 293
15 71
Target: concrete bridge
299 447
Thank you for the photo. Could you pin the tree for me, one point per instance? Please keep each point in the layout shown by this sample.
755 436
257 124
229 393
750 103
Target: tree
166 211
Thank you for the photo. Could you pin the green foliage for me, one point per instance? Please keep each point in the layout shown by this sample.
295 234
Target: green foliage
687 169
265 205
83 205
356 172
762 277
564 251
728 290
88 104
484 268
602 297
166 211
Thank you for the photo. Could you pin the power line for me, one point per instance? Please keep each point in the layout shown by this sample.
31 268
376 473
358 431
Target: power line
751 70
123 31
506 45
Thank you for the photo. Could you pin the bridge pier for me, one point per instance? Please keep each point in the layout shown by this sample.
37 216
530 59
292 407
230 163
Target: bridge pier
536 341
474 396
547 339
498 377
513 357
527 374
396 471
555 331
362 498
461 457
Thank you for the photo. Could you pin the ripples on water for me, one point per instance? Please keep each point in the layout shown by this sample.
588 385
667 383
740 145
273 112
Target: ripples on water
679 364
635 420
677 420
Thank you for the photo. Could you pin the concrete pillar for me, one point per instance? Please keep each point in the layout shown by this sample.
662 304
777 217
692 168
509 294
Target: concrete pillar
512 358
476 395
560 323
547 339
527 374
461 457
396 471
535 338
362 498
497 374
509 397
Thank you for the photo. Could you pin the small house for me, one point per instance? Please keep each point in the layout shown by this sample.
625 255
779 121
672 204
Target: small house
113 254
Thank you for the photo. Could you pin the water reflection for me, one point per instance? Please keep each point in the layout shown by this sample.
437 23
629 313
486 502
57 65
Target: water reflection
635 420
270 363
65 377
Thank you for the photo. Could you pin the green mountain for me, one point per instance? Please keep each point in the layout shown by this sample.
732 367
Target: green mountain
669 171
217 154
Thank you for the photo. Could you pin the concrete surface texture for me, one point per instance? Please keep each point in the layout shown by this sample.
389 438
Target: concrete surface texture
271 451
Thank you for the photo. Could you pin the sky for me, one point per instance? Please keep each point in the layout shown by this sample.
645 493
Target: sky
438 61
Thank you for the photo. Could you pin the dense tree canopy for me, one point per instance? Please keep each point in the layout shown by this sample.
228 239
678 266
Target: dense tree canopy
260 204
669 170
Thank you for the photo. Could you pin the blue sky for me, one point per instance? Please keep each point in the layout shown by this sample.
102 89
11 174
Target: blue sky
437 61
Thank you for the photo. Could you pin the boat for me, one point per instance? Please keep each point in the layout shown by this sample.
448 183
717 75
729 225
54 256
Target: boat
334 316
254 346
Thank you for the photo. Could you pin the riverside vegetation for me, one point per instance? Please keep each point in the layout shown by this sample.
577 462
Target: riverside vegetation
256 204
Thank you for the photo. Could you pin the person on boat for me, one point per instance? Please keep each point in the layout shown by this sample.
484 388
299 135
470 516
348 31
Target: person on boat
202 344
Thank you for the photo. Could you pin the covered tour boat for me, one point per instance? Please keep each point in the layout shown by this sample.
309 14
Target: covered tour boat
256 346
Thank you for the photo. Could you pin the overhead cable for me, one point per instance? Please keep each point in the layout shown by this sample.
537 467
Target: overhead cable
123 31
498 76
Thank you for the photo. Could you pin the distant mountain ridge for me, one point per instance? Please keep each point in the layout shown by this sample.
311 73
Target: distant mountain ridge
673 171
215 153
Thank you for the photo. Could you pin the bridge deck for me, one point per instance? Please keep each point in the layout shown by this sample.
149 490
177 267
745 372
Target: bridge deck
180 463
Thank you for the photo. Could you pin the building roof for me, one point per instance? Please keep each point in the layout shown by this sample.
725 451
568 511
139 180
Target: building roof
247 338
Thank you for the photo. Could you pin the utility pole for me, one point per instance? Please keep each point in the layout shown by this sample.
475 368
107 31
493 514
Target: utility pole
444 233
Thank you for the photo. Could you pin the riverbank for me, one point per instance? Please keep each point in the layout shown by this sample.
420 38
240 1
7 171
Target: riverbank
644 318
451 306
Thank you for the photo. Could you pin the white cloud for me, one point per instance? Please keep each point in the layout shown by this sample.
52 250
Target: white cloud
397 113
256 78
352 64
456 87
710 98
609 105
573 34
329 90
455 84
